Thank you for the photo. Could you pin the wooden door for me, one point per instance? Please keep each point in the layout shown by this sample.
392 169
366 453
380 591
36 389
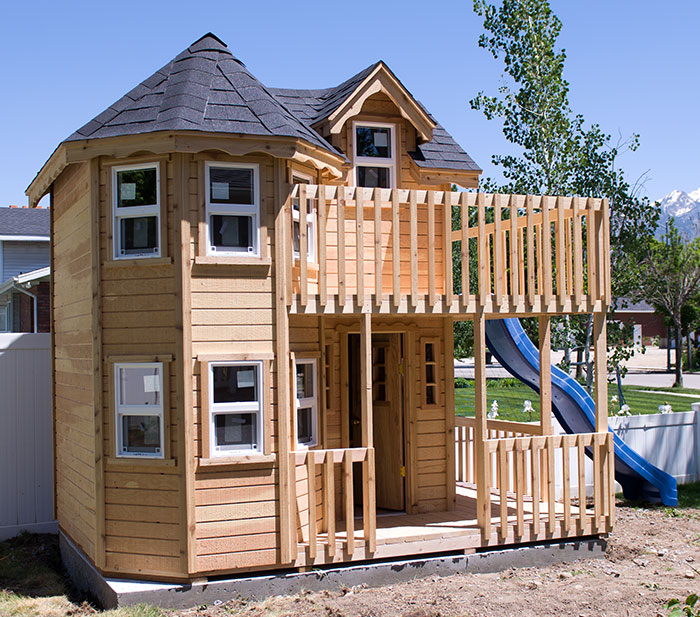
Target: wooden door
388 427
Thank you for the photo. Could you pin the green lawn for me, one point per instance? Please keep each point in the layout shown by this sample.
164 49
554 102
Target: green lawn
510 395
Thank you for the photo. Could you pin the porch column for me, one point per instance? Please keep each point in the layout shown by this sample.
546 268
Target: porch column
483 493
546 455
603 474
369 496
450 410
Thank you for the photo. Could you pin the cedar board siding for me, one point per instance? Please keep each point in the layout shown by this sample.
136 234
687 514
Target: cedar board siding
236 506
74 417
142 498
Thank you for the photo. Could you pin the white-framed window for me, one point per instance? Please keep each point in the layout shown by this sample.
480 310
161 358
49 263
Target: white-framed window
299 178
375 154
138 394
233 209
235 407
136 209
306 396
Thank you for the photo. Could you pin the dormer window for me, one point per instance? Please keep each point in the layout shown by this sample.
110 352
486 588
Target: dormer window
233 209
375 155
136 199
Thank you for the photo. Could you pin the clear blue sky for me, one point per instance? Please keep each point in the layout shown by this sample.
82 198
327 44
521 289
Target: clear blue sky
632 66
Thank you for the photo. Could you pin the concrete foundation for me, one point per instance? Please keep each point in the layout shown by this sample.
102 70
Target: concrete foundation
119 592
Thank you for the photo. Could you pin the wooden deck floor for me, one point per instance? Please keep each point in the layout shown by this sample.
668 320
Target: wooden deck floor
434 532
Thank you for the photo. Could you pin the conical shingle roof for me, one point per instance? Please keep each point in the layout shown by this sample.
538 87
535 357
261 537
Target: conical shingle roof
205 88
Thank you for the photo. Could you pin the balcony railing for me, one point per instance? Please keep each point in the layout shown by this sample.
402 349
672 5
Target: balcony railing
396 250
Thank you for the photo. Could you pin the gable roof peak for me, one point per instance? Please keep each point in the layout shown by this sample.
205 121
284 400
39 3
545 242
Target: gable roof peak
211 42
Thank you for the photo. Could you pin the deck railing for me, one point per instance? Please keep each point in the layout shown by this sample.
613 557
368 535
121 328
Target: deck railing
396 249
323 484
521 479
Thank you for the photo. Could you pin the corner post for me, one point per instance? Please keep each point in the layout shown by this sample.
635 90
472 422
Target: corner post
600 459
287 487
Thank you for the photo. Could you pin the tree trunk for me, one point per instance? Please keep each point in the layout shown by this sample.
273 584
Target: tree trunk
668 349
679 357
690 352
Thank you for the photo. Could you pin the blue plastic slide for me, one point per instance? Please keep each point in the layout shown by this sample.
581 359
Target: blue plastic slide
575 411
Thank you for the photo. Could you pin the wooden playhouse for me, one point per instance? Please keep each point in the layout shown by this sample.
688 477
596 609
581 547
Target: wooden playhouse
254 292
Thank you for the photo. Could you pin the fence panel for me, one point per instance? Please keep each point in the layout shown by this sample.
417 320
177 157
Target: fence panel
26 442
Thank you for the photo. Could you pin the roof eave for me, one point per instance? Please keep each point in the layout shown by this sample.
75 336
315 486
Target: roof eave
161 142
381 79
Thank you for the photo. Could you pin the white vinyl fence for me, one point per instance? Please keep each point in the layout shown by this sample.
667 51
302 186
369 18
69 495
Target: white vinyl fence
26 442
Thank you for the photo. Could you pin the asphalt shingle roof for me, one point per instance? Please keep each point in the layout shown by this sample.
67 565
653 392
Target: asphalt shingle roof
442 151
205 88
24 222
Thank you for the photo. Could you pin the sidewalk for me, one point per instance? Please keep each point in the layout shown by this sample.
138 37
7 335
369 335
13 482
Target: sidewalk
644 370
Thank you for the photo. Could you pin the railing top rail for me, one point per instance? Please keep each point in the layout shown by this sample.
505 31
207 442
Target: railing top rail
542 441
357 455
455 198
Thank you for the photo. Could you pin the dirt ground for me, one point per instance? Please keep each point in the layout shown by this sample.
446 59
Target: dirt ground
653 555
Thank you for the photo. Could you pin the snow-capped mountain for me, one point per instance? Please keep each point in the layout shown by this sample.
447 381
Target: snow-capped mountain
685 209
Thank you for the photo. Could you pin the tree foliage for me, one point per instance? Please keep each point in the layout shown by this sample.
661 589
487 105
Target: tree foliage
668 277
559 153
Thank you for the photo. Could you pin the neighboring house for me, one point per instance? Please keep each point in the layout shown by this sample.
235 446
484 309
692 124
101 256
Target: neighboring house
253 330
649 324
24 276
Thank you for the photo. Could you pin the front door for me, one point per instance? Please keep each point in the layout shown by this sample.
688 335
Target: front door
387 389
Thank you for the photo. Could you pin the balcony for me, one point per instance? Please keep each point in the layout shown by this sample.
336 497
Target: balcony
442 252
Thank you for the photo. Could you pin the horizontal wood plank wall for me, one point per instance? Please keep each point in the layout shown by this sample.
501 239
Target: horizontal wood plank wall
236 505
143 530
73 392
431 439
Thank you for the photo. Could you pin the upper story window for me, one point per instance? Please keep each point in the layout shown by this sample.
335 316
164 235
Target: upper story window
375 155
235 405
233 209
298 178
139 409
136 208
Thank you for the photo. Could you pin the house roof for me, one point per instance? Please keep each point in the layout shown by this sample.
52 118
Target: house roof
312 106
205 88
24 222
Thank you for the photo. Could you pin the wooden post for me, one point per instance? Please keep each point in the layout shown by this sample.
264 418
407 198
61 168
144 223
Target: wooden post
414 246
395 248
600 458
322 266
368 478
483 489
514 237
340 231
303 247
547 463
482 251
447 248
465 248
450 411
498 268
360 245
431 248
287 488
378 247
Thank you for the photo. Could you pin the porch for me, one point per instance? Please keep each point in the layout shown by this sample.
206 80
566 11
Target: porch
518 505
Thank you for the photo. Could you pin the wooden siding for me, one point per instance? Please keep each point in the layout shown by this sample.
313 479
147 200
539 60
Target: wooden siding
142 510
73 393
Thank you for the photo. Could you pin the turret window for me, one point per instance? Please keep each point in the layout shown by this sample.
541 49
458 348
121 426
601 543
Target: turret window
233 209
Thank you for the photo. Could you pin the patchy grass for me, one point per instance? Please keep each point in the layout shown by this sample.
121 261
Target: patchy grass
33 583
689 495
511 394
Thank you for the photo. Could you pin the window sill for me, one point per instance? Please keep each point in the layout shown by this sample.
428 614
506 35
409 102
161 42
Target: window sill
139 461
211 260
144 261
234 461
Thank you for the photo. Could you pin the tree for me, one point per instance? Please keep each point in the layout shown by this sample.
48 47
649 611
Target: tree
559 153
668 277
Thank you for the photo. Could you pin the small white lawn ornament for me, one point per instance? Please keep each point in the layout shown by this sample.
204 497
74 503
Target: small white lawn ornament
528 409
624 411
665 408
494 410
614 400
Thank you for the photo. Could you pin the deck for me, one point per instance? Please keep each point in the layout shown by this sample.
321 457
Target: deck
404 535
